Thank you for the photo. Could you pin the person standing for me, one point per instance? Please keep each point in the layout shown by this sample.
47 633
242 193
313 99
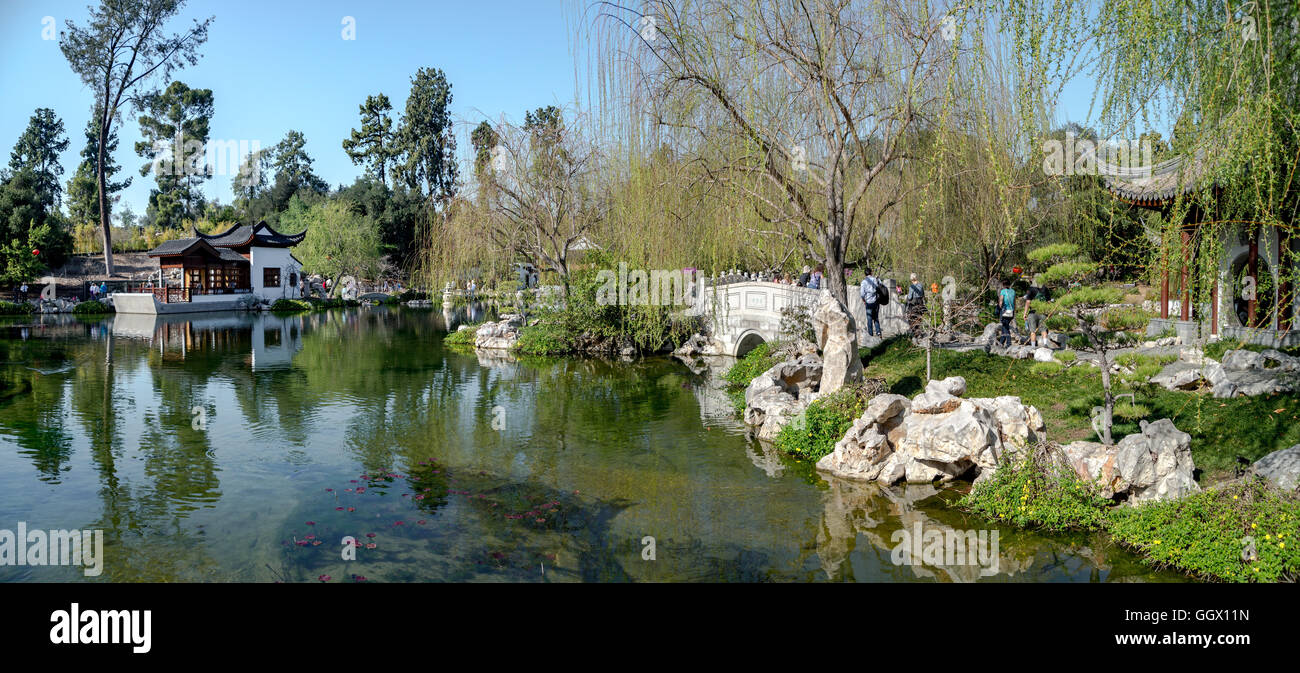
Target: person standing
815 282
1034 321
1007 305
805 276
870 290
22 292
915 301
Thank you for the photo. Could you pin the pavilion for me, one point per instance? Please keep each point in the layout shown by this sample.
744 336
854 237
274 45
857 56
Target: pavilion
212 272
1265 317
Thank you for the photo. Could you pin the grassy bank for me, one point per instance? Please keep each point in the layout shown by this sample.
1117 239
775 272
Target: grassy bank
1221 430
1241 531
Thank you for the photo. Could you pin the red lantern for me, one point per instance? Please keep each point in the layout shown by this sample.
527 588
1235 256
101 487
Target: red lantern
1015 270
35 251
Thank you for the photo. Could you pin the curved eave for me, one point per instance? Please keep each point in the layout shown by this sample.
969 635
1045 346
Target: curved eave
294 238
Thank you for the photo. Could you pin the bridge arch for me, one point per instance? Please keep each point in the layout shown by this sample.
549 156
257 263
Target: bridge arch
748 341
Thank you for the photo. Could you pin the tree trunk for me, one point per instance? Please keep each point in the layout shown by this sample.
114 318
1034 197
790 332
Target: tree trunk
1108 409
104 219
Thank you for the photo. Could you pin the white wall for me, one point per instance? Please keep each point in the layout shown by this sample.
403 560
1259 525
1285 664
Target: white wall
262 258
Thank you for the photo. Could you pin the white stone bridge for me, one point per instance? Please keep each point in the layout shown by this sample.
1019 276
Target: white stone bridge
744 313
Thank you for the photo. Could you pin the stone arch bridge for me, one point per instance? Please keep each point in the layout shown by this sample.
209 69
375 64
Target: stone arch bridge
745 313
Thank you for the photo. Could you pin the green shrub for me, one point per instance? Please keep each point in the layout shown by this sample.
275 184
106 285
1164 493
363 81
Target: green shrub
291 305
461 337
1131 318
23 308
1038 492
544 338
1067 356
750 366
814 433
94 306
1207 534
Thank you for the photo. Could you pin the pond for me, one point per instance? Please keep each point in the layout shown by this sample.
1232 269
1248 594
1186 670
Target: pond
246 447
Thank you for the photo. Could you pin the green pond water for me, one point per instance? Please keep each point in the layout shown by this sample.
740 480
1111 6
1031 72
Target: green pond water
242 447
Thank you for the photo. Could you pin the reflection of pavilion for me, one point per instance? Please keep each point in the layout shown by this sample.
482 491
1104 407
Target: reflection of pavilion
270 340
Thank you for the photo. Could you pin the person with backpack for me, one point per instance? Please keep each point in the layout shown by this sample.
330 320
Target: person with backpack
871 291
1007 306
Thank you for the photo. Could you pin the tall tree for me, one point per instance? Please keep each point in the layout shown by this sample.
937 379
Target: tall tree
83 188
250 183
425 140
293 165
483 139
175 130
372 144
38 150
118 53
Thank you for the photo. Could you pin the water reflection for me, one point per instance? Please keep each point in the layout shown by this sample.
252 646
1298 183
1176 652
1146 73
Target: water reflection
208 447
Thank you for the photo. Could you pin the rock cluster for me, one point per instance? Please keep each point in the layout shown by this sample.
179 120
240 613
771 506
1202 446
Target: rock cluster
938 435
503 334
1242 372
1155 464
699 345
781 393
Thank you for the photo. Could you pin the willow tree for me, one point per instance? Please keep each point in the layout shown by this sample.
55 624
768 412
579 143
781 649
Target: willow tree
801 108
540 190
1224 79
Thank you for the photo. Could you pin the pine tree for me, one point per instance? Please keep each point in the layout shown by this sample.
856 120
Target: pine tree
372 144
37 150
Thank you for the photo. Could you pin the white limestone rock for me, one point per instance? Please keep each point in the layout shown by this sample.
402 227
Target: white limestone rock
1282 468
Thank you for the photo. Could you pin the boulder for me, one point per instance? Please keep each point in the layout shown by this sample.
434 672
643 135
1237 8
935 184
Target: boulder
699 344
1043 355
781 393
1155 464
945 446
837 338
502 334
1179 375
864 450
990 334
1282 468
1242 360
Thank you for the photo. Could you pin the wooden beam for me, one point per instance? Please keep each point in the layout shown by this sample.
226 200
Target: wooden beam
1164 282
1184 311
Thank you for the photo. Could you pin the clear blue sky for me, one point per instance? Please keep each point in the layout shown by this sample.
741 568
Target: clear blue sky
276 65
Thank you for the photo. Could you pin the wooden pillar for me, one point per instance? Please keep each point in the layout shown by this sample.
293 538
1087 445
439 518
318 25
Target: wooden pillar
1285 297
1184 312
1164 282
1252 269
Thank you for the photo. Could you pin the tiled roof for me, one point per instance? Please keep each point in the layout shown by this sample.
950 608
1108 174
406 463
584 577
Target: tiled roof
243 234
1156 185
182 245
